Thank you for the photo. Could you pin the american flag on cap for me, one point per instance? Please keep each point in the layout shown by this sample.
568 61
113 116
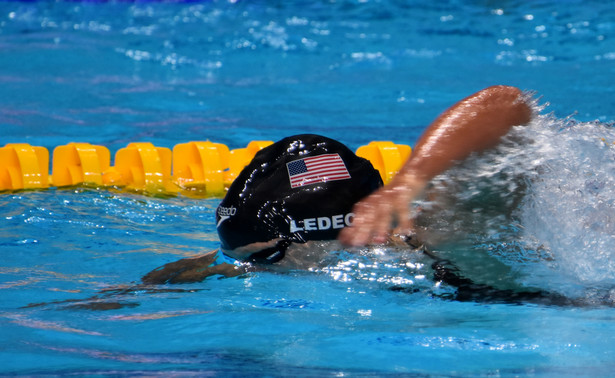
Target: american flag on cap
315 169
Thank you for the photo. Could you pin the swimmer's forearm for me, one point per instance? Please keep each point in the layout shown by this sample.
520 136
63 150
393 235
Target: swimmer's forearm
198 275
193 269
475 123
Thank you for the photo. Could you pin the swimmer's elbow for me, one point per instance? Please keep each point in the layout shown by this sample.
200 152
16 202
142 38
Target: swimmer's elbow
510 102
505 91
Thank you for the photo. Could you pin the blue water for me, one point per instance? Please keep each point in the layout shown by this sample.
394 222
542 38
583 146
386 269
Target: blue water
112 73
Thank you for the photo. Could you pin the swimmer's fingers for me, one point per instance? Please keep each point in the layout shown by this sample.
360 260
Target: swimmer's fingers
360 231
377 222
372 221
404 224
396 203
378 214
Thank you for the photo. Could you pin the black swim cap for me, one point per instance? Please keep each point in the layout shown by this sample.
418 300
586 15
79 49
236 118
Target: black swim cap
298 189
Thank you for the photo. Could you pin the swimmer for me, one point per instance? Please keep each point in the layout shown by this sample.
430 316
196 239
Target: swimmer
309 188
297 190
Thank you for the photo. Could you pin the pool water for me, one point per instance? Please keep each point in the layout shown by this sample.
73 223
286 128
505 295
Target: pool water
111 73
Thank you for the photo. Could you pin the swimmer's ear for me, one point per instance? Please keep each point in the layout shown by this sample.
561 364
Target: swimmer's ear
405 240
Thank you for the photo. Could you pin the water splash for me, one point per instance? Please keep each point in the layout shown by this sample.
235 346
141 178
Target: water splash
543 202
569 207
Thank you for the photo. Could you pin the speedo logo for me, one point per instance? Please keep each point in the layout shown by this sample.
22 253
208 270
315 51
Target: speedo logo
322 223
225 213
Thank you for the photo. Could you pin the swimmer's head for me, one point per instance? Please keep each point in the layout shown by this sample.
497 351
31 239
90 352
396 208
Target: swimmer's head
299 189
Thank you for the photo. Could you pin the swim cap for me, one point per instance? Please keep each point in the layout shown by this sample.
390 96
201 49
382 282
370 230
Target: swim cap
298 189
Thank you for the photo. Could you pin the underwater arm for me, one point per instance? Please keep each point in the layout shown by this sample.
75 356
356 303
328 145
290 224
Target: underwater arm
475 123
194 269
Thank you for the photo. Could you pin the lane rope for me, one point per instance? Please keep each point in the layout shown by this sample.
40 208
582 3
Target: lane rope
198 168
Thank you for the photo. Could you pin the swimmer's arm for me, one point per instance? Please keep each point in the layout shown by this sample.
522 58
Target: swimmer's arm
194 269
475 123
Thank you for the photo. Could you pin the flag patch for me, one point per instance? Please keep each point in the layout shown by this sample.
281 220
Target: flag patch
315 169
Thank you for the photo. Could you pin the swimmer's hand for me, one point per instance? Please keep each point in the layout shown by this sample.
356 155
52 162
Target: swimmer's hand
388 207
194 269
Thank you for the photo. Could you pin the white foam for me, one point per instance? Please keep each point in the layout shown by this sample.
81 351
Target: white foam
543 202
569 208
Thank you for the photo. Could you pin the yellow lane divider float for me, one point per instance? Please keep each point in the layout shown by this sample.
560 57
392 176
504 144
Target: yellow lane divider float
201 169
